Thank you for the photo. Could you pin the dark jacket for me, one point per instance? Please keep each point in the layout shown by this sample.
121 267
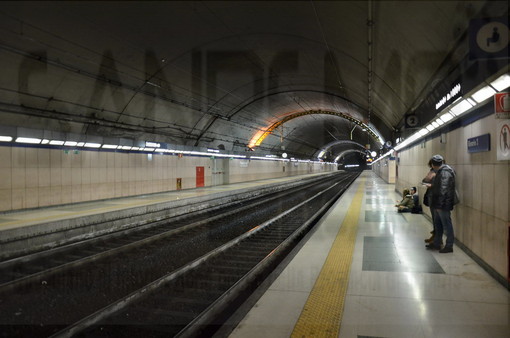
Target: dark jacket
416 200
427 198
443 188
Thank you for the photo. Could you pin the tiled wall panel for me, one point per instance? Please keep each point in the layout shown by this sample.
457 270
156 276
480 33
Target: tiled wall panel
482 219
36 177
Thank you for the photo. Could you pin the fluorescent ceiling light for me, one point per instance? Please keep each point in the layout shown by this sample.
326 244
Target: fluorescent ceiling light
5 138
70 143
483 94
446 117
45 141
125 147
430 127
28 140
56 143
439 121
110 146
267 158
423 132
80 144
230 156
501 83
92 145
417 135
148 149
435 124
461 107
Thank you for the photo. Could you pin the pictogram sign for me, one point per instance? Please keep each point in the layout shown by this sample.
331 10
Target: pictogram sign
503 140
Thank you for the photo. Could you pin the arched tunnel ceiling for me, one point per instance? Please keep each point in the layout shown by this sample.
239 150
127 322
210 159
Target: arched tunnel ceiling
213 74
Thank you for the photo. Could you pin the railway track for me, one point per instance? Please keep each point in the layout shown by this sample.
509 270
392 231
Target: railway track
179 277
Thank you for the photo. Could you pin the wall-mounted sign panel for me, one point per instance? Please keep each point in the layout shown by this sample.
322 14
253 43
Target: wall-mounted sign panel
503 141
454 93
502 105
488 38
479 143
411 121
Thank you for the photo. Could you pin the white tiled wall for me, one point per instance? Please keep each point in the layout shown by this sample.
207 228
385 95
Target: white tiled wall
482 219
386 169
35 177
256 169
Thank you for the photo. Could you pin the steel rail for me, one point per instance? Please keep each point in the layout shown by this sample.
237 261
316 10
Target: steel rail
120 304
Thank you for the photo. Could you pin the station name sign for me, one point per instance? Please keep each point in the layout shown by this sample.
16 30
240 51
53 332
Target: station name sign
453 94
479 143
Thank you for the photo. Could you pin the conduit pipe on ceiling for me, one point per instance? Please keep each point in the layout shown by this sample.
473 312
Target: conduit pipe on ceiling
370 25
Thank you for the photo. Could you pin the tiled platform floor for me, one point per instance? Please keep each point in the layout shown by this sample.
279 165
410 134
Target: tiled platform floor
396 287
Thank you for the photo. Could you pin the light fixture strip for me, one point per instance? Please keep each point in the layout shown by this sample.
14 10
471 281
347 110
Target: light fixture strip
501 83
29 140
483 94
92 145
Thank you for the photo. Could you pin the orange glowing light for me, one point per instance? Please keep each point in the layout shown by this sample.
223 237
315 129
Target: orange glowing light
254 140
260 135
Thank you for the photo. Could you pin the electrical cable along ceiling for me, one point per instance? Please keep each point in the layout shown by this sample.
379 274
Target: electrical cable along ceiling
218 73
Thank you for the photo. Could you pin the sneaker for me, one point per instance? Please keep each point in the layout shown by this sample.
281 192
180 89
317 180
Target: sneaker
431 246
446 250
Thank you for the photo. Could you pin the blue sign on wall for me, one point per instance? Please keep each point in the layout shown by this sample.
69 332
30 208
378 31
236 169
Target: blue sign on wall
479 143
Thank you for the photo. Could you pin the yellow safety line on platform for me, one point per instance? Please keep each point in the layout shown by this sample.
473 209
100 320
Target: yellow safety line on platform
323 310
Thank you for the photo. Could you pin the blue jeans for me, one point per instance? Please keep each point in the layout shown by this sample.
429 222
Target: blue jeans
433 215
443 223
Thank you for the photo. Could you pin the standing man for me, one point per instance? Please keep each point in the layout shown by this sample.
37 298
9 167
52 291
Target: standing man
443 195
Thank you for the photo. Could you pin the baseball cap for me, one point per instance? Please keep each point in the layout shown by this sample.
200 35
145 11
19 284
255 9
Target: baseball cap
437 159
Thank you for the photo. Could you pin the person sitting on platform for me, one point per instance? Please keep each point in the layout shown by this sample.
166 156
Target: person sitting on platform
407 202
417 209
